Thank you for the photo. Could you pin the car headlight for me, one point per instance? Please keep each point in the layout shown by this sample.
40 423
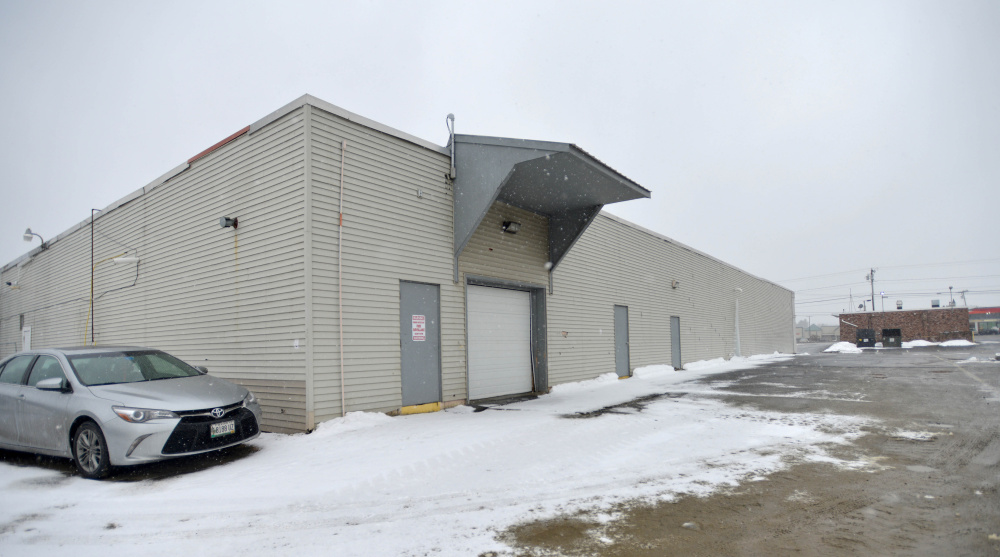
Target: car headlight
249 399
141 415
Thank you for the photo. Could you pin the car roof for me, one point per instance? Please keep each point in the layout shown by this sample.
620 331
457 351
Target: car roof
79 350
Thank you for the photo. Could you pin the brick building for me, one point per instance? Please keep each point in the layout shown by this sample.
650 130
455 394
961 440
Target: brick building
935 325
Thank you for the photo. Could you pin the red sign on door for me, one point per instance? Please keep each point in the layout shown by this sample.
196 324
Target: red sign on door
419 323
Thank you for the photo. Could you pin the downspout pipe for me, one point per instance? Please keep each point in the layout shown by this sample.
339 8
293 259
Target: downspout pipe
739 353
450 121
452 172
340 278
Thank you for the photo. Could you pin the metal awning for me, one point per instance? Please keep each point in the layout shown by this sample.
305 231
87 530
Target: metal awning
557 180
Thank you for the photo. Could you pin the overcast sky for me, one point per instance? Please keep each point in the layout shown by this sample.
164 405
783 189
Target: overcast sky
804 142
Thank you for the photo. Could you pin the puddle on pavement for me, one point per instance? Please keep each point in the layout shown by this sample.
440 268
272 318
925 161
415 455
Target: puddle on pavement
631 407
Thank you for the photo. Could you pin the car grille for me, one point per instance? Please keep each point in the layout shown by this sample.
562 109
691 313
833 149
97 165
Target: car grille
193 432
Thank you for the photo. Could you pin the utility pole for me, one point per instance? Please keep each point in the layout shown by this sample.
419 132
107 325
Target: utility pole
871 278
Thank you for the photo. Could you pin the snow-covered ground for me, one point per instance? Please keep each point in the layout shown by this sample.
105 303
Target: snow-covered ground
431 484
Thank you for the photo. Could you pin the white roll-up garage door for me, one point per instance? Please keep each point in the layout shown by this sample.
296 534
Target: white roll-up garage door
499 327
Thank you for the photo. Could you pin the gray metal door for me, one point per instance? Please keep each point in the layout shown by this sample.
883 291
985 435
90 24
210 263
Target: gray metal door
621 341
675 342
420 342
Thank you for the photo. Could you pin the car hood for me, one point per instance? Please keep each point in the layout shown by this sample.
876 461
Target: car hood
181 394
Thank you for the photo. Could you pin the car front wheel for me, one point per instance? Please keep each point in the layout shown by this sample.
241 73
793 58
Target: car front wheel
90 452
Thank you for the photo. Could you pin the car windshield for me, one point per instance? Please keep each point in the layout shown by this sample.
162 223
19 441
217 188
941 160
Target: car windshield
128 367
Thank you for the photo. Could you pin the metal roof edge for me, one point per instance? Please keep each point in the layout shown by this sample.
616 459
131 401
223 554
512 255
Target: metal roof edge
550 146
347 115
114 205
262 122
598 162
669 240
514 142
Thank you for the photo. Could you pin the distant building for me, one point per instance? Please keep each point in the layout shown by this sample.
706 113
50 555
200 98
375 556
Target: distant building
807 334
984 320
935 325
817 333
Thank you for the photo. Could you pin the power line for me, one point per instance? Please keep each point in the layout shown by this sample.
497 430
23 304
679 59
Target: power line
970 261
822 276
890 281
941 278
894 294
944 264
832 286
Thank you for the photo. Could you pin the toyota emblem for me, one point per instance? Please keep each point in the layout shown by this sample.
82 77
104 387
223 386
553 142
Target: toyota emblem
218 412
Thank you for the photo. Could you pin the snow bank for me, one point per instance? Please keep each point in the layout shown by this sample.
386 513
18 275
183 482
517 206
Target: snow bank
353 421
844 348
597 382
949 343
706 364
758 357
648 372
958 342
918 343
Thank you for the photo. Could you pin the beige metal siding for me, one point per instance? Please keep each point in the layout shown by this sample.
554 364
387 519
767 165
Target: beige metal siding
397 226
232 300
516 257
615 262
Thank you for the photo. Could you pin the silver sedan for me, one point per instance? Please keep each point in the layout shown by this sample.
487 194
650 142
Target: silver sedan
119 406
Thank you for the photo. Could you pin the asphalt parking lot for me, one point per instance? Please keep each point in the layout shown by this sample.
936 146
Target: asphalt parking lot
927 480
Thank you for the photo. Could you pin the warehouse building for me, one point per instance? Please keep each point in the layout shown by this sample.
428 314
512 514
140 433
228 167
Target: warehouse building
333 264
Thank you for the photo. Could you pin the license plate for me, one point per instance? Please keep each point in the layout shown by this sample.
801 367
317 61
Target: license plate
223 428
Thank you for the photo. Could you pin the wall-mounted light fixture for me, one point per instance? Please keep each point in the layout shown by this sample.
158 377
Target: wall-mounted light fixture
227 222
115 259
28 236
675 284
510 227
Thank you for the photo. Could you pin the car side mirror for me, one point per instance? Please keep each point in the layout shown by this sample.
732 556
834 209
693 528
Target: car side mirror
58 384
202 370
